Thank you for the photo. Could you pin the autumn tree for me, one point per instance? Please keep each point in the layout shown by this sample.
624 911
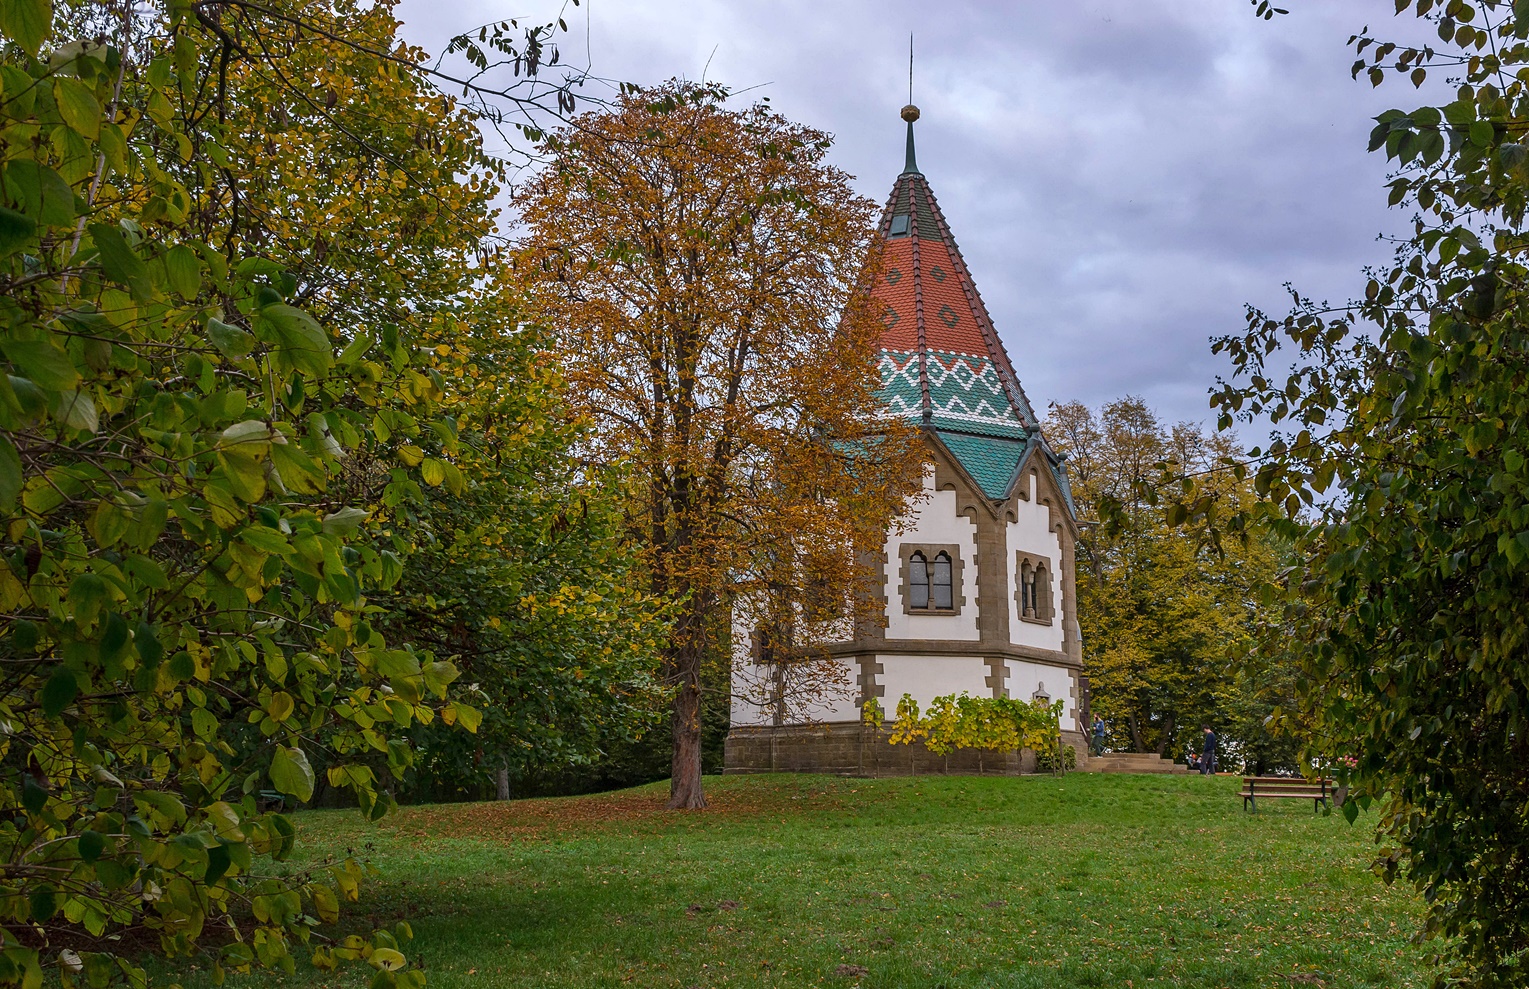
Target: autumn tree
1398 468
704 268
1166 616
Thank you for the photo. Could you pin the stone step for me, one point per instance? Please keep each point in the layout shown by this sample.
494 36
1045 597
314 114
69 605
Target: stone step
1134 762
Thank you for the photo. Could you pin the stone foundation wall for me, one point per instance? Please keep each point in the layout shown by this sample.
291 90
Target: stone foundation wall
858 750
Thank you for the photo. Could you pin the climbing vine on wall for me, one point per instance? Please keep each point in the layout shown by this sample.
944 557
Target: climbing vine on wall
999 724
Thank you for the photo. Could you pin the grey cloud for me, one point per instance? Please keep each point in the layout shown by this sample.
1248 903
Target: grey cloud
1122 175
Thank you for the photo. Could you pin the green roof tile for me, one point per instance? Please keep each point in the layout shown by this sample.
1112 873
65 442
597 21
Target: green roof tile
991 462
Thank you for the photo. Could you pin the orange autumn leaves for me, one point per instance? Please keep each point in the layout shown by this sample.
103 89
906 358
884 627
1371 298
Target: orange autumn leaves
703 269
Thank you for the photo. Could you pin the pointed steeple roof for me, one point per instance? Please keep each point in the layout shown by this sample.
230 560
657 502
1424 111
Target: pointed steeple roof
942 363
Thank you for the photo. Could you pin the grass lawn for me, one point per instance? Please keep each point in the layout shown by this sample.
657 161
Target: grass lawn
1086 880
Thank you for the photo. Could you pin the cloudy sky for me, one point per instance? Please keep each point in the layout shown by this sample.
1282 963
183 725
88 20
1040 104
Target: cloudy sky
1123 176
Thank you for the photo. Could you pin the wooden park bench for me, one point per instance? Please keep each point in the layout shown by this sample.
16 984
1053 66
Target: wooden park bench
1319 792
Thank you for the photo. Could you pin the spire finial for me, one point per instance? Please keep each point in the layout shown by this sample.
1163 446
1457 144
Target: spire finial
910 112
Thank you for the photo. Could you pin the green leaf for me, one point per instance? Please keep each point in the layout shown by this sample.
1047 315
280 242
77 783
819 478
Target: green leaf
34 796
251 437
92 844
10 474
433 471
87 593
231 341
291 773
120 263
218 861
42 363
345 521
40 192
300 339
281 706
439 675
185 273
298 472
182 666
76 410
59 692
26 22
43 903
146 639
397 663
113 636
16 231
24 636
78 105
146 570
388 959
469 717
245 473
204 724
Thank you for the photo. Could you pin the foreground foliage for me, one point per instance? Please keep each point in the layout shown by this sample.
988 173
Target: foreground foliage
225 231
1033 883
1401 475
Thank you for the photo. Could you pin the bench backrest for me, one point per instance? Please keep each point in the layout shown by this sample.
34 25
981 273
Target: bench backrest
1272 783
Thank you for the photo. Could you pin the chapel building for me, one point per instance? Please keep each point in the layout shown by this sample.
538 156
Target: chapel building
977 591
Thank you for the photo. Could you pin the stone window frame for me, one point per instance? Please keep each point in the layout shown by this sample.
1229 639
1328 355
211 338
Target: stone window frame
957 585
765 652
1046 616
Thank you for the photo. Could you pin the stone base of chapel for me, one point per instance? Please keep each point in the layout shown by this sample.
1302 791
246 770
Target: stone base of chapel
859 750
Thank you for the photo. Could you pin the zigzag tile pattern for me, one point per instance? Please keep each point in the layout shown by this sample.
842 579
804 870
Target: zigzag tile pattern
941 363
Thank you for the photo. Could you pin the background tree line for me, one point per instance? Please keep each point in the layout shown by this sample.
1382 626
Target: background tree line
1169 616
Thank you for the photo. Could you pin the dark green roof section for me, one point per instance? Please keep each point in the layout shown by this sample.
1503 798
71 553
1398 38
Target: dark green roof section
911 198
992 462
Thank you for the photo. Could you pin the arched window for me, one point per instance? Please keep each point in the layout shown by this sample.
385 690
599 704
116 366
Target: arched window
944 597
930 580
918 580
1033 595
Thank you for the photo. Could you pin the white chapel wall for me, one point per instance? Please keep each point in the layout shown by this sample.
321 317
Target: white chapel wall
833 693
750 680
928 677
1026 678
934 521
838 702
1032 534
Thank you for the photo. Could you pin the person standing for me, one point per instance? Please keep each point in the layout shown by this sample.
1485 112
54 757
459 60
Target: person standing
1098 740
1208 753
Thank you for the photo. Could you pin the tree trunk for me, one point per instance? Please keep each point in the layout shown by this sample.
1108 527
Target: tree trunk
502 783
1169 723
685 777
